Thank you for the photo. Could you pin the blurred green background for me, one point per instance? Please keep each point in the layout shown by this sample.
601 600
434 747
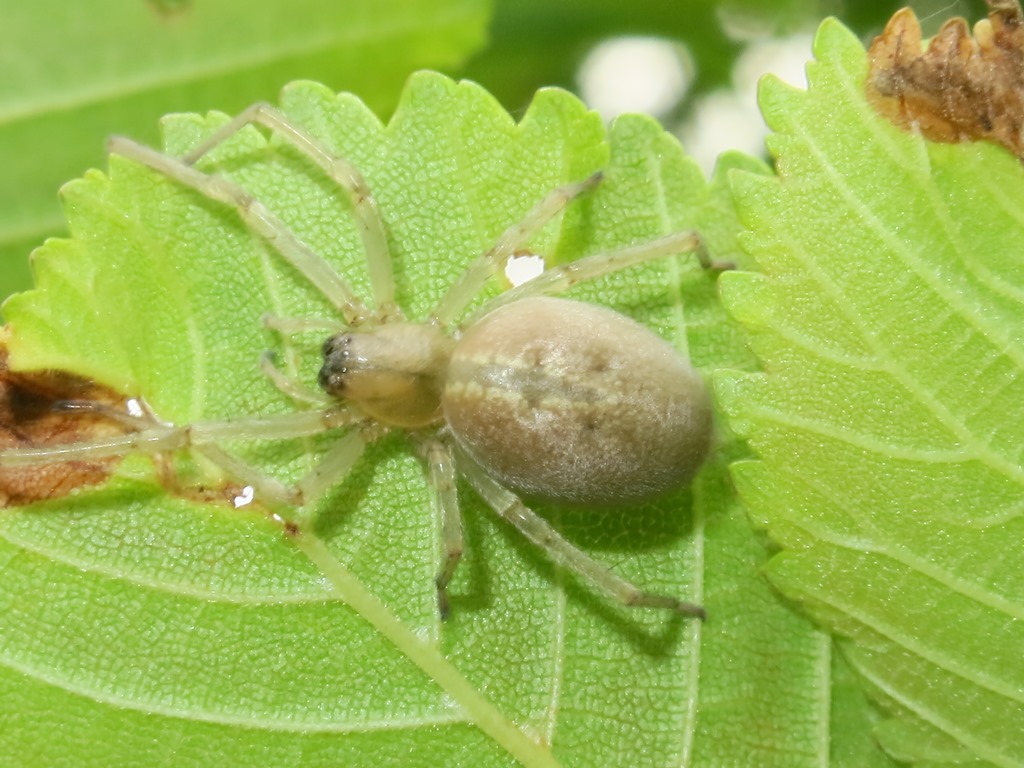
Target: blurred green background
72 74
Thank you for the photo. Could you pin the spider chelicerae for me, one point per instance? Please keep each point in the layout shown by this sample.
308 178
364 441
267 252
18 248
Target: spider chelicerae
529 397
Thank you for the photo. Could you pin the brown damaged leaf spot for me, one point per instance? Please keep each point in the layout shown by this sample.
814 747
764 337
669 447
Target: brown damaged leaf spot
961 88
30 418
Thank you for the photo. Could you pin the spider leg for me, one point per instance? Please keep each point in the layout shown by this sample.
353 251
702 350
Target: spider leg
333 467
155 437
267 487
330 470
441 465
343 173
473 279
257 217
563 277
561 551
295 389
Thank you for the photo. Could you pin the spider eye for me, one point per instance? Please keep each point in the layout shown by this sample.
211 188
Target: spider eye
336 344
337 357
332 381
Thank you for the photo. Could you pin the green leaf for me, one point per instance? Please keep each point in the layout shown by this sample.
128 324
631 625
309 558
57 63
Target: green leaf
72 78
890 416
139 628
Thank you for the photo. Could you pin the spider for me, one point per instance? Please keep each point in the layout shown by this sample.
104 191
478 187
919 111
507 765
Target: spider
532 396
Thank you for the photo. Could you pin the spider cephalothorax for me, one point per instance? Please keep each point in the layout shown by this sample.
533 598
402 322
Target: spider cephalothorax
394 372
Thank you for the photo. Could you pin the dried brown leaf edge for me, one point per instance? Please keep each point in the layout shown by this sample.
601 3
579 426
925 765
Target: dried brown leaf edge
961 87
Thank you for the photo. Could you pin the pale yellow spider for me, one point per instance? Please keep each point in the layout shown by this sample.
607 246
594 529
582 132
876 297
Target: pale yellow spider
530 396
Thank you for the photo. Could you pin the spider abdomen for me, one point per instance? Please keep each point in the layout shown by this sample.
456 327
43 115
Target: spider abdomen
575 403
